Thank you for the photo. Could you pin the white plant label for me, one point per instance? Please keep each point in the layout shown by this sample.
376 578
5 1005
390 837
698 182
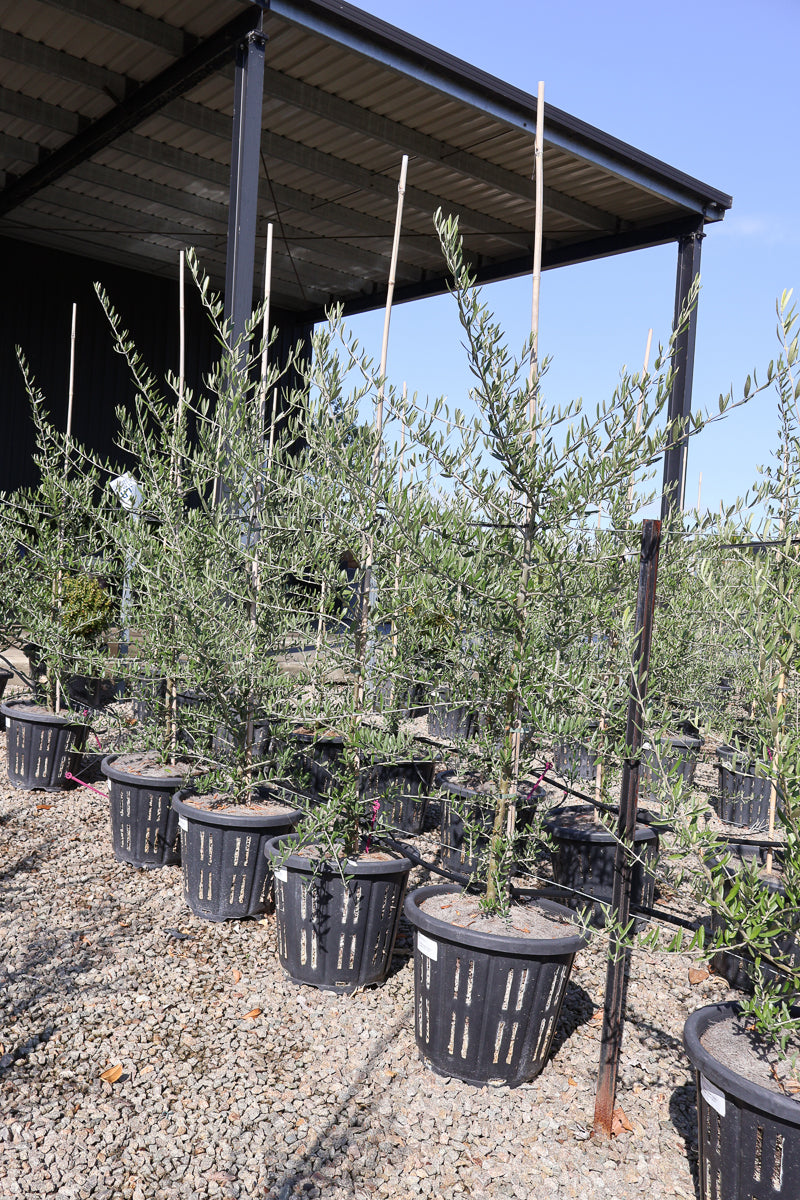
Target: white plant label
281 874
712 1095
427 946
183 822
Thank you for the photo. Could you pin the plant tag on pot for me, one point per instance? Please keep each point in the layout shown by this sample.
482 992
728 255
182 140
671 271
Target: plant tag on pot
712 1095
183 822
281 874
427 946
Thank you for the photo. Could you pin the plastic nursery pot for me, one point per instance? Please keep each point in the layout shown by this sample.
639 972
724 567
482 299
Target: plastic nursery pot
336 927
148 699
450 722
583 861
486 1004
466 822
229 740
144 827
401 790
736 965
317 753
41 747
749 1135
673 759
576 760
4 678
225 874
744 788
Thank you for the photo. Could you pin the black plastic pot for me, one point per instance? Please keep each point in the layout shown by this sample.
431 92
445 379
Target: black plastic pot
401 789
736 966
41 747
229 740
486 1005
467 819
336 931
4 678
148 699
744 789
675 758
576 760
144 827
749 1136
583 860
225 873
313 755
451 722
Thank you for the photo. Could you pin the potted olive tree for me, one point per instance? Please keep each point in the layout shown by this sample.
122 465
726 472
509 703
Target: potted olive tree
745 1054
58 583
205 551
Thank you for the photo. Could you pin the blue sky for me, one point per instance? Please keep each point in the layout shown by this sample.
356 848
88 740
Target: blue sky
708 89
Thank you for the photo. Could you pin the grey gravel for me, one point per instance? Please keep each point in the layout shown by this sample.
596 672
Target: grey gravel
319 1095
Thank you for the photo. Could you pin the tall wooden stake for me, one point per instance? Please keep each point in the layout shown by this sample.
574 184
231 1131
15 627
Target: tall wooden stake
366 585
618 953
397 555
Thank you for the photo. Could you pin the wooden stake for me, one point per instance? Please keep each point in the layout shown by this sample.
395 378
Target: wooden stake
378 427
397 555
699 491
538 177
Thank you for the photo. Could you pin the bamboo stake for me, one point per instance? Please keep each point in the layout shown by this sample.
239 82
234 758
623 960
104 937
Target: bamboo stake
378 428
699 492
533 383
67 444
399 488
257 487
538 176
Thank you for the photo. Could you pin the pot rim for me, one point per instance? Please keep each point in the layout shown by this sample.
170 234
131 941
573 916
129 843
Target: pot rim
447 782
111 771
11 708
315 866
500 943
239 820
642 832
785 1108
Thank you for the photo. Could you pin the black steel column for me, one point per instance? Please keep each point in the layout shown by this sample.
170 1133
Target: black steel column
245 167
619 949
680 400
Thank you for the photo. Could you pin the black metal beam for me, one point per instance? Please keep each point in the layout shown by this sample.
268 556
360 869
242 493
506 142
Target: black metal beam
176 79
680 400
553 255
245 170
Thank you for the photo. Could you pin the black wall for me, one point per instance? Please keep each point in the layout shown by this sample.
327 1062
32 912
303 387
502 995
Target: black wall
39 289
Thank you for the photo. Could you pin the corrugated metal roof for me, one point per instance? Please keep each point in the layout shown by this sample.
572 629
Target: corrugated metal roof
345 96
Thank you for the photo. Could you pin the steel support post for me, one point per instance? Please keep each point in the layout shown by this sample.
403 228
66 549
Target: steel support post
619 948
245 168
680 400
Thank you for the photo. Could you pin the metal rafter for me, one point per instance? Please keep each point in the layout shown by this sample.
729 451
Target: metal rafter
149 98
130 22
352 116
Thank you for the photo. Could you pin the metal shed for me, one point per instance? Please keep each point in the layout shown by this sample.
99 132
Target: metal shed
129 130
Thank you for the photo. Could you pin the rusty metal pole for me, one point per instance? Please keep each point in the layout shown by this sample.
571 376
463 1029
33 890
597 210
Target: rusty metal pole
618 951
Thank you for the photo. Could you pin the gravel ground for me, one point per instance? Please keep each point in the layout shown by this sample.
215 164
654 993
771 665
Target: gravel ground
237 1083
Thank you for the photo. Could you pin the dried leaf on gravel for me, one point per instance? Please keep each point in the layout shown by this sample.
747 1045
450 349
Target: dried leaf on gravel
254 1012
698 974
619 1122
41 807
112 1074
237 975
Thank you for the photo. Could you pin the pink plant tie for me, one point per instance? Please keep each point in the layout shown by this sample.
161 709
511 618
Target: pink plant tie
85 713
547 767
74 778
376 808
